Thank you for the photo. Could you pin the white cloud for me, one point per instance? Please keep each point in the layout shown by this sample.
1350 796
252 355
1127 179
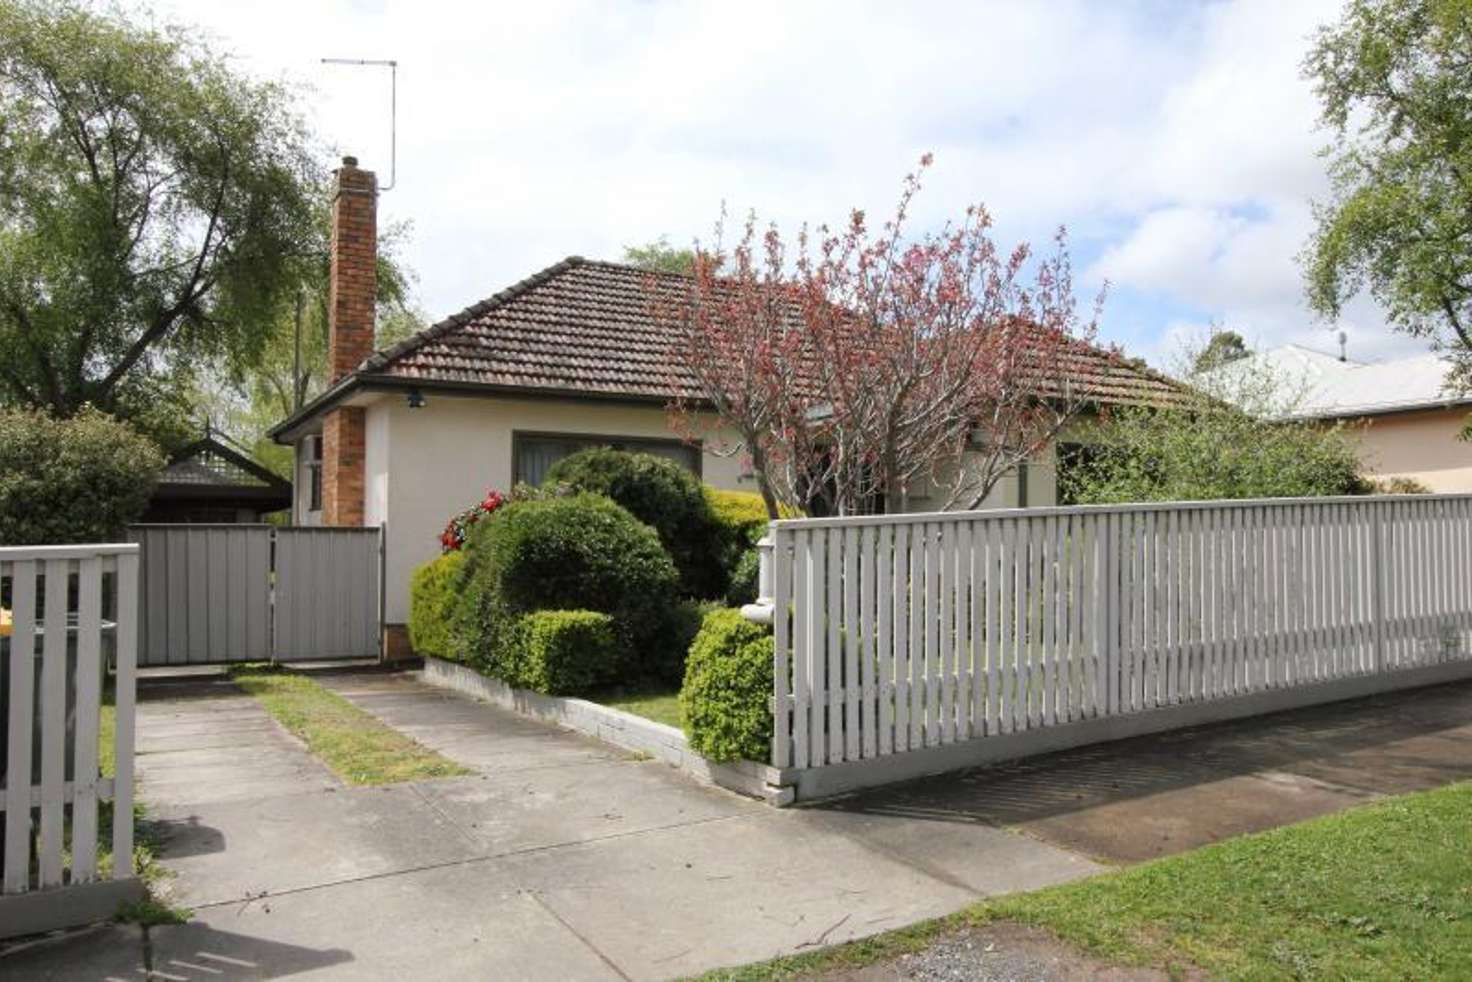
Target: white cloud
1176 141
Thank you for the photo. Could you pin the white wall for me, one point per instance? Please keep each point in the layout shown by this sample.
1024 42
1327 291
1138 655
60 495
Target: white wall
424 465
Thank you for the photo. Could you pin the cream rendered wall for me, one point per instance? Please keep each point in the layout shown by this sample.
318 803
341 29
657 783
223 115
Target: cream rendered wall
1042 488
429 463
1421 445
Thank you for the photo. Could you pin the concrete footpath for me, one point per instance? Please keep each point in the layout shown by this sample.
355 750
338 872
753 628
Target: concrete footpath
563 859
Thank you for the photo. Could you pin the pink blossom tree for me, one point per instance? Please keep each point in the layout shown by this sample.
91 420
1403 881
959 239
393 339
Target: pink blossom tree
880 366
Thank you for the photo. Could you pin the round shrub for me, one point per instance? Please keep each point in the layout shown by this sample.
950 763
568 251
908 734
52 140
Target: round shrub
728 682
745 579
82 479
581 552
435 609
663 495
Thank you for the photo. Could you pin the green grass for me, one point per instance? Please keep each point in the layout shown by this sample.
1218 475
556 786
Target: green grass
660 705
1378 892
355 745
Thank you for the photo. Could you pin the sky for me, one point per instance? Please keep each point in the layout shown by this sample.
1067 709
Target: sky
1176 141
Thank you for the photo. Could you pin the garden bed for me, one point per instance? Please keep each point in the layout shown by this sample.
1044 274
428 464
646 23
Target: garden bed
621 729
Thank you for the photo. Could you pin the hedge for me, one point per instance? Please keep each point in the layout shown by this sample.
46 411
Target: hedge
581 552
728 682
663 495
562 652
435 610
745 579
83 479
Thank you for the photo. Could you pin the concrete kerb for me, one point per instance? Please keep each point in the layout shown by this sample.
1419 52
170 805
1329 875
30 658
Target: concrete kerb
620 729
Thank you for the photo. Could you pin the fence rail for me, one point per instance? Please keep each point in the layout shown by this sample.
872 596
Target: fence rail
906 633
73 610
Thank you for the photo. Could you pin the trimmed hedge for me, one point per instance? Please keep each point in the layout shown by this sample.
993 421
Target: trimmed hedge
83 479
562 652
581 552
435 610
663 495
728 681
741 515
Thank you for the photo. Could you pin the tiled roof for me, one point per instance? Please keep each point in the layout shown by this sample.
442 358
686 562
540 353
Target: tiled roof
587 327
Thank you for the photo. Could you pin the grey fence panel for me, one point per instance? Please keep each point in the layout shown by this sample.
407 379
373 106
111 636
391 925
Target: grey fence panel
327 593
204 592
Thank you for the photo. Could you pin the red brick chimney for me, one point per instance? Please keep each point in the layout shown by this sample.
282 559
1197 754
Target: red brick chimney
351 289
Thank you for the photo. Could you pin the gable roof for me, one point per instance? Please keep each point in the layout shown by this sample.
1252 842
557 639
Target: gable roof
208 468
585 328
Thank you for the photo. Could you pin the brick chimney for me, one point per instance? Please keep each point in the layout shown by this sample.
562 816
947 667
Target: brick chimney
351 288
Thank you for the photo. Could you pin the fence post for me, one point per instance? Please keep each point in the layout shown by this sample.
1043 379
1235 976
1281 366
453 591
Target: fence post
760 612
1111 607
1378 588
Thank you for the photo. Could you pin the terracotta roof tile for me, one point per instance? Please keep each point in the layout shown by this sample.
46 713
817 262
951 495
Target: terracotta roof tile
586 326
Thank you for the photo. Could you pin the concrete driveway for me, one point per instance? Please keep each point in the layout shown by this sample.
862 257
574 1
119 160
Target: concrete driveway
563 859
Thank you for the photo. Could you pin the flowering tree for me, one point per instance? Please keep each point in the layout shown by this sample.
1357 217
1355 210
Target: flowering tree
881 366
739 336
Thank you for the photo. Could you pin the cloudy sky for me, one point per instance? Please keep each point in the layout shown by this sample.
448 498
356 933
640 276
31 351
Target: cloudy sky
1175 140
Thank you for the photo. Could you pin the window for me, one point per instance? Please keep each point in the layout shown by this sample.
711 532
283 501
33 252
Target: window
314 471
533 454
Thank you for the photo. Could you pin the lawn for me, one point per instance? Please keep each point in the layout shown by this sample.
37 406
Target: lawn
1383 891
355 745
660 705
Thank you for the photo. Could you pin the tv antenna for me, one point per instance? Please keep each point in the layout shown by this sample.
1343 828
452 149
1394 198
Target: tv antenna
393 108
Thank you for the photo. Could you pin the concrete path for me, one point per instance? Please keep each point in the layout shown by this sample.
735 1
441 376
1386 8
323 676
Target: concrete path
563 859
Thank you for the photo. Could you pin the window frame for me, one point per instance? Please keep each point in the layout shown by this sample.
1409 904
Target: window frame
603 440
314 473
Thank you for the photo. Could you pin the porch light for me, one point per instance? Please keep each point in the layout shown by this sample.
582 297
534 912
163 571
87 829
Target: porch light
416 399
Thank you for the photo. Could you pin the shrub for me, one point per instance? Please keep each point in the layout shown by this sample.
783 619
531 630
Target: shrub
435 610
562 652
741 515
457 530
82 479
728 682
663 495
745 577
1401 485
581 552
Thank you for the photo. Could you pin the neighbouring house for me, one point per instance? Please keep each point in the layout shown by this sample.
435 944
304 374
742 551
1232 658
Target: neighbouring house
494 395
1401 411
208 482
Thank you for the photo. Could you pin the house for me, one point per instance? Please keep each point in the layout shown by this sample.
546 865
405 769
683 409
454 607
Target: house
567 358
1401 411
208 482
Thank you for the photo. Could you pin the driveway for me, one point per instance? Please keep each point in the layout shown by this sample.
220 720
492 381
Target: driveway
564 859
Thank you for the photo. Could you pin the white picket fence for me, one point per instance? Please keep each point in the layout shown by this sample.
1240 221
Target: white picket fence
910 633
73 607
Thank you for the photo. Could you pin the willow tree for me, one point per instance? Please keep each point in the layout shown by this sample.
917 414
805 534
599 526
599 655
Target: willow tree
155 207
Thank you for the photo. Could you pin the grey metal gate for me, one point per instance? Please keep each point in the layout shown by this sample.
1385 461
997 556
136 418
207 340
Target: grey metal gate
327 593
212 594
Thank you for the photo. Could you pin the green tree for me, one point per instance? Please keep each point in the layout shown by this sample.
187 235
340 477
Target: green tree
1233 435
1394 78
660 256
155 206
257 393
1224 347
